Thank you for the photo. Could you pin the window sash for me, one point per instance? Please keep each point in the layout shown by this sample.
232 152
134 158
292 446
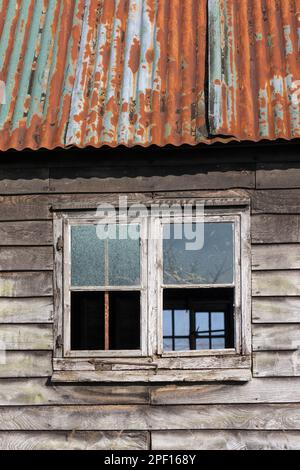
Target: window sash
157 259
68 289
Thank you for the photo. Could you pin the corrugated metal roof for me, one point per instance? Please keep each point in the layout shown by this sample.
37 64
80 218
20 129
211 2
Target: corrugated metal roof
94 72
254 67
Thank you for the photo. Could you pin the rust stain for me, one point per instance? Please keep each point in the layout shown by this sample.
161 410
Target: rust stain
134 72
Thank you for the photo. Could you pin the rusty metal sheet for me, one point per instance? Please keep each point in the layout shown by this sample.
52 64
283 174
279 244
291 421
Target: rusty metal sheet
254 68
135 72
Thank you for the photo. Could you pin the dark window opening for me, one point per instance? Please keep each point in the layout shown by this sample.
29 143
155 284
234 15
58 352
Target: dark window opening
105 321
198 319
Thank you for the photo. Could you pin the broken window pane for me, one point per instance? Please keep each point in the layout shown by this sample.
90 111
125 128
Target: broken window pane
210 264
198 319
88 326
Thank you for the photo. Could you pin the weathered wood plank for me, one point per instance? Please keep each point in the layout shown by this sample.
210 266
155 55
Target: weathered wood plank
143 417
26 310
276 283
255 391
148 178
26 233
74 440
276 364
24 207
276 337
25 364
39 391
19 258
275 257
275 310
275 228
24 180
26 284
281 201
279 176
225 440
152 376
26 337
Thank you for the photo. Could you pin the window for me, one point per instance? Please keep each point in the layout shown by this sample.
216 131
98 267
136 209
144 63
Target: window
154 298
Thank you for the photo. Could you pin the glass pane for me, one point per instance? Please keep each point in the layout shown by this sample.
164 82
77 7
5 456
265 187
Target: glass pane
211 263
182 344
218 343
202 343
202 323
87 256
114 261
182 322
217 322
167 323
124 320
167 344
124 258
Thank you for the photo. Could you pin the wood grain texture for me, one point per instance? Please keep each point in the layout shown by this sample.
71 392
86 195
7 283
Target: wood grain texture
276 364
26 233
74 440
225 440
276 337
24 180
281 201
19 258
25 364
26 337
275 310
270 176
262 390
276 283
40 391
26 284
275 228
23 207
275 257
152 376
143 417
26 310
154 178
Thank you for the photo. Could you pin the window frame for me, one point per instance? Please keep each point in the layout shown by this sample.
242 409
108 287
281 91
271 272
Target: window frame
151 364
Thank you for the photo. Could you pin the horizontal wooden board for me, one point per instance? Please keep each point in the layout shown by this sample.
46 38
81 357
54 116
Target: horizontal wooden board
152 376
26 233
40 391
24 207
276 364
275 310
148 178
275 257
25 364
225 440
274 390
278 176
74 440
26 310
26 337
144 417
280 228
20 258
281 201
276 337
276 283
26 284
24 180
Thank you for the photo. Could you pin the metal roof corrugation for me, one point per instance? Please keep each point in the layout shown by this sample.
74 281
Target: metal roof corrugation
254 63
95 72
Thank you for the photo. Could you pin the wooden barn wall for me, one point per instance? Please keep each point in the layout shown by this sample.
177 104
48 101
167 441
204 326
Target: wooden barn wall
263 413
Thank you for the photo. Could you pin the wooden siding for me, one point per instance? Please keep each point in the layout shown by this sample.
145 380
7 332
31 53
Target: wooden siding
263 413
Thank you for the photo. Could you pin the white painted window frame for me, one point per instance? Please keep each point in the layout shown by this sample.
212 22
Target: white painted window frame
151 363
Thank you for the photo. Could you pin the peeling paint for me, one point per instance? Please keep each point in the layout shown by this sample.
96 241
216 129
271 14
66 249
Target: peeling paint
133 72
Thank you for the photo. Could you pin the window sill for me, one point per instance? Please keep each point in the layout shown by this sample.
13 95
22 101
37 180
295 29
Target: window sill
154 370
